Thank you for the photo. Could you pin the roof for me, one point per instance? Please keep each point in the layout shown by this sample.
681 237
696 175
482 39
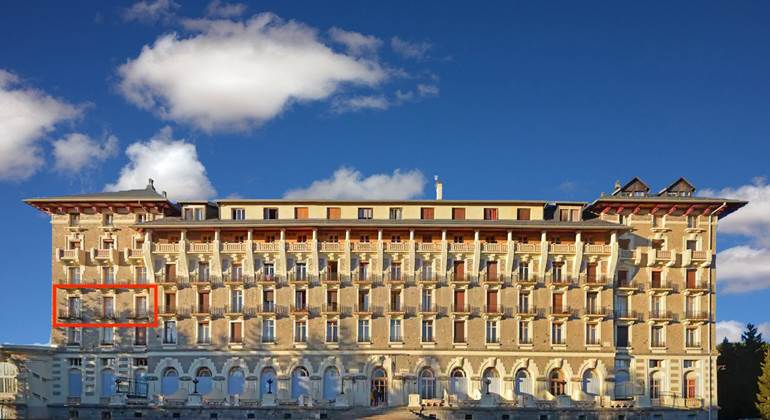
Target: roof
731 205
176 222
146 194
635 180
679 180
375 202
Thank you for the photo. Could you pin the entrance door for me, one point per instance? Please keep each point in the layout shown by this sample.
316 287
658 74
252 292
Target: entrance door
379 392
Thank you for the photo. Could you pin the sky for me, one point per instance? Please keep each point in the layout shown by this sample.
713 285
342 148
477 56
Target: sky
502 100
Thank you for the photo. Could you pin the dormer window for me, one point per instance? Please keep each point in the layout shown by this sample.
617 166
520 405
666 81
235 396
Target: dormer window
239 214
194 213
270 213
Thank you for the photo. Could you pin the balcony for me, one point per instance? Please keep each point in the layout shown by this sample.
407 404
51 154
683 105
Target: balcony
494 247
494 278
528 311
590 249
628 285
394 278
493 310
266 308
299 309
461 309
598 281
427 277
697 316
330 308
265 278
298 278
692 257
396 308
234 310
462 247
332 247
167 310
200 279
105 254
627 315
428 308
365 246
696 286
75 256
525 280
234 247
429 247
330 277
299 246
627 254
527 248
75 314
458 279
661 315
560 281
361 309
661 286
398 247
596 312
232 278
267 246
561 312
166 248
562 249
661 256
165 279
199 247
133 254
358 277
202 310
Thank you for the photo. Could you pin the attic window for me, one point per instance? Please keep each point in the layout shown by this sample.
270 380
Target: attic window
193 213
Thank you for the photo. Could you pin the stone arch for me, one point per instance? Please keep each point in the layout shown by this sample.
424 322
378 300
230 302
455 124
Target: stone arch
461 363
527 364
493 362
331 361
374 362
427 362
168 362
267 362
202 362
301 362
566 370
235 362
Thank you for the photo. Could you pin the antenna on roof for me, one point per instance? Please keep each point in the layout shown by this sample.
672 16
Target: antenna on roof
439 188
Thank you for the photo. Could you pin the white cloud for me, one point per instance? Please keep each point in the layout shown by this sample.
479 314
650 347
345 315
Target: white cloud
427 90
150 11
732 330
753 220
356 43
76 151
407 49
360 103
26 115
743 269
172 163
348 183
233 75
225 10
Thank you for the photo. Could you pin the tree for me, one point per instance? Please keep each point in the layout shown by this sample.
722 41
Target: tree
739 365
763 386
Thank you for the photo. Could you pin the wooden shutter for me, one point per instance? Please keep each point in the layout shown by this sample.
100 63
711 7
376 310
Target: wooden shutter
301 213
426 213
557 302
236 332
656 279
522 214
492 300
490 214
458 213
591 272
333 213
691 276
459 270
170 272
492 270
459 300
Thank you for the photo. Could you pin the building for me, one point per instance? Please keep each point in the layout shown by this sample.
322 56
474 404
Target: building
480 308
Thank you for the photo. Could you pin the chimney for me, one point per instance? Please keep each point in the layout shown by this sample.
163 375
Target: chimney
439 188
150 185
165 195
617 185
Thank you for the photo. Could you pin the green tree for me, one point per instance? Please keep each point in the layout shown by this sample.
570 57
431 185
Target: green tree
739 365
763 386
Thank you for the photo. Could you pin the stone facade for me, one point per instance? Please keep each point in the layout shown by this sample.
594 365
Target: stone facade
505 309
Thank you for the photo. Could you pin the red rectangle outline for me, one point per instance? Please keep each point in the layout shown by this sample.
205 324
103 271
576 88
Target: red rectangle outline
153 324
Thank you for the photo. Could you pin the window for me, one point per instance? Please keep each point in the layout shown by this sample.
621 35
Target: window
73 273
623 278
108 218
236 332
194 213
688 364
73 307
332 329
458 213
268 301
557 333
557 271
365 213
268 330
395 271
692 338
169 384
490 214
427 384
169 332
459 331
523 271
238 214
270 213
331 300
140 336
592 334
363 300
427 213
692 222
656 385
524 333
427 331
301 213
522 214
655 279
169 302
427 300
140 306
333 213
108 275
204 332
140 275
524 302
108 336
300 300
395 330
691 385
395 213
556 383
363 331
268 270
73 336
236 301
691 245
301 271
108 307
658 336
300 331
492 332
74 219
203 302
692 278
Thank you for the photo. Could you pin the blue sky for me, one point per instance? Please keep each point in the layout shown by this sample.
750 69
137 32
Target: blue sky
502 100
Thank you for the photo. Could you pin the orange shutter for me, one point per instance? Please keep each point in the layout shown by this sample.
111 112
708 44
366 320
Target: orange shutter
459 300
458 213
522 214
492 301
691 278
333 213
459 331
301 213
492 270
459 270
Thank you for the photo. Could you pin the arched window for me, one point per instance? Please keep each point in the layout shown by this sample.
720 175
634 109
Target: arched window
556 382
169 384
300 383
690 385
590 383
523 385
458 384
140 384
331 383
267 382
656 385
490 381
205 380
427 384
75 383
235 381
8 373
623 385
108 383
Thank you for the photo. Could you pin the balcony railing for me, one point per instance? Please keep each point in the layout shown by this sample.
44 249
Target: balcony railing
696 285
529 248
530 310
599 280
166 248
494 247
493 309
396 308
563 311
234 309
428 308
299 246
628 285
463 247
299 309
561 280
463 308
598 249
398 247
660 314
491 279
625 314
692 314
201 247
332 247
562 248
596 311
267 246
528 279
362 309
429 247
330 277
365 246
330 308
233 247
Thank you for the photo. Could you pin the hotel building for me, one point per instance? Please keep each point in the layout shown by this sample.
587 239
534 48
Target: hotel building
245 308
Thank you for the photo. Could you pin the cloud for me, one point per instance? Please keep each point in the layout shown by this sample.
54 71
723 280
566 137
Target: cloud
233 75
172 163
350 184
732 330
753 220
743 268
149 11
412 50
427 90
26 115
360 103
225 10
77 151
356 43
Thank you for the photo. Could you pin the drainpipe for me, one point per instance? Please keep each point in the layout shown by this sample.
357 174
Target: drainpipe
711 247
